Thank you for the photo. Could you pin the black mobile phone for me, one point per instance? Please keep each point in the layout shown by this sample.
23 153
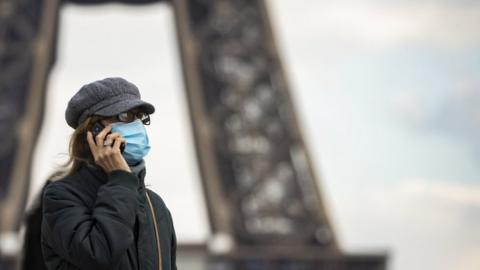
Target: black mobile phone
97 128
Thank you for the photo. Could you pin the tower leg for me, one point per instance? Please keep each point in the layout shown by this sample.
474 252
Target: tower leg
27 34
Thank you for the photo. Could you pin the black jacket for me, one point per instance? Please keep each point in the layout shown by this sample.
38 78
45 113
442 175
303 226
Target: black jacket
92 220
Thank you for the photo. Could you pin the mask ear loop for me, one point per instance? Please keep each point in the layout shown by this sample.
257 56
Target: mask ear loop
146 120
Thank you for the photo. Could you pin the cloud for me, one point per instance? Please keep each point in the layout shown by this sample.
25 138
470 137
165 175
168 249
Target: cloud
456 115
425 224
409 107
381 24
459 115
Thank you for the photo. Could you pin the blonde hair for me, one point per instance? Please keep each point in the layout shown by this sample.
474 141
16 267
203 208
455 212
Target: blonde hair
79 153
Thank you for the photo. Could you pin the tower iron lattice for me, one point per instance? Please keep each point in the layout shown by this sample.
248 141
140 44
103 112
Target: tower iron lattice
261 191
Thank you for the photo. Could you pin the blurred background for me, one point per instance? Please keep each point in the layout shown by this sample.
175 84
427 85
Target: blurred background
387 94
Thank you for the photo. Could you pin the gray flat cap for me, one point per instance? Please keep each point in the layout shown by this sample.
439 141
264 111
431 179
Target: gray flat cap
107 97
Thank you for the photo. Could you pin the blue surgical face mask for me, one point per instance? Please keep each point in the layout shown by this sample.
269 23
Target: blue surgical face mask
137 145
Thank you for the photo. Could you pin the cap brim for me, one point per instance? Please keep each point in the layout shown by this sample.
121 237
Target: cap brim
126 105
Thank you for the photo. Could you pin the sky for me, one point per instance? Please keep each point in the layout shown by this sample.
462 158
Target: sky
387 93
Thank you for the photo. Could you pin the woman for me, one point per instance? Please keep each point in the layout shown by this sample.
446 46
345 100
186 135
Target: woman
99 215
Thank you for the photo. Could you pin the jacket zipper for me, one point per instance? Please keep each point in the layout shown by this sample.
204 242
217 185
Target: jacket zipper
157 236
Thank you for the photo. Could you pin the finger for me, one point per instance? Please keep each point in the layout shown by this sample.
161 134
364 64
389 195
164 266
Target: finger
91 143
118 143
101 136
114 134
123 144
111 138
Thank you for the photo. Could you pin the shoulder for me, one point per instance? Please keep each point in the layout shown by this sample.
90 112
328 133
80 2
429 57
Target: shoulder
64 183
159 204
67 187
157 201
163 214
59 191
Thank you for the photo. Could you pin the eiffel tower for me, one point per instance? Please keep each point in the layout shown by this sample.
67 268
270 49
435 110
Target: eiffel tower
264 205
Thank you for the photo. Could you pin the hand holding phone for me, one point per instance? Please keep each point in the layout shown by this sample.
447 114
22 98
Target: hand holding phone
107 156
97 128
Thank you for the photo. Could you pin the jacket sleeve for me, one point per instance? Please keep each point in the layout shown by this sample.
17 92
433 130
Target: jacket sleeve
91 237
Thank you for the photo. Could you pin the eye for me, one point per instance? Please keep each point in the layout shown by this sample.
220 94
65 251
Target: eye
124 117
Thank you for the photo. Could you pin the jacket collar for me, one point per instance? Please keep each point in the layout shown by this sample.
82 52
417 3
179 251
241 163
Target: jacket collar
139 170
